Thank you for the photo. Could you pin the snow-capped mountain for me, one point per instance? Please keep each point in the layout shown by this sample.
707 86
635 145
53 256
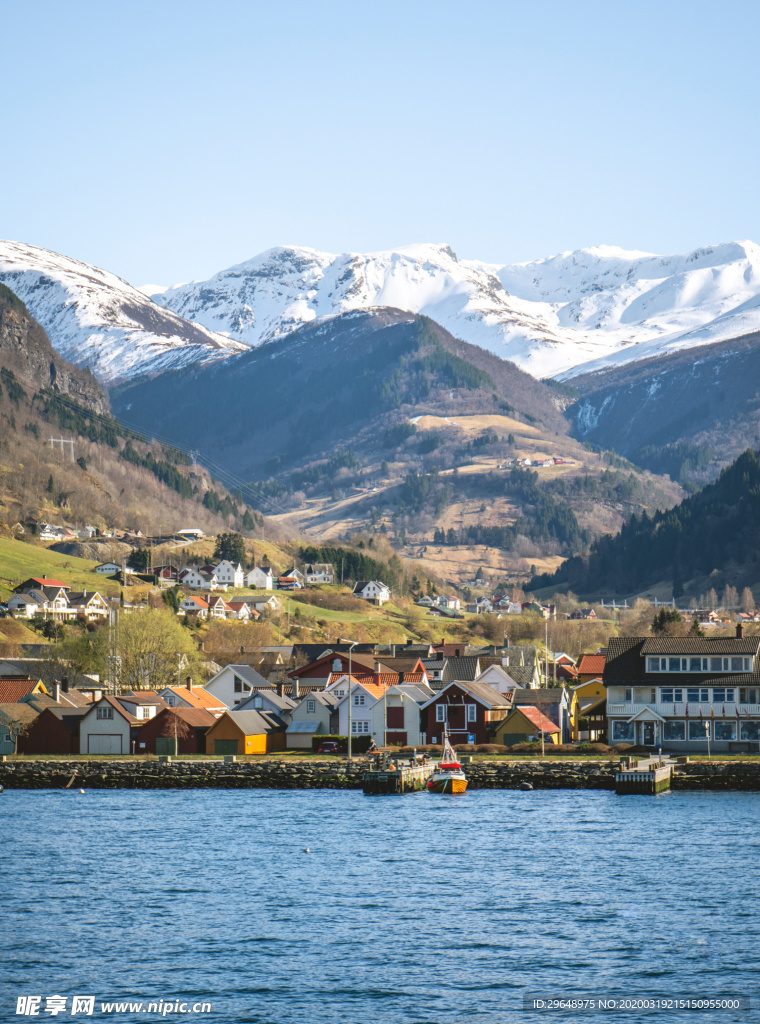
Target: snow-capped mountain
95 319
557 316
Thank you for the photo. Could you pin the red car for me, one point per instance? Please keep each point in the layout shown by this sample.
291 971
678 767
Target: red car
328 747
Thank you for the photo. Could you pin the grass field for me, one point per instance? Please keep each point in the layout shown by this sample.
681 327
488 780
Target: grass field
19 561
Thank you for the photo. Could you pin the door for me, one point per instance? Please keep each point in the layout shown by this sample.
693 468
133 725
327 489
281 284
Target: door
648 734
104 744
225 746
164 745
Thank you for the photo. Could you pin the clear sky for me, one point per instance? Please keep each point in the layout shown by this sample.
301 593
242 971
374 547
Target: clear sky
166 140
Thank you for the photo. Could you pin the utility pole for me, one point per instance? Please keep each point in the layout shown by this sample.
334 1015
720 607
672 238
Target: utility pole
55 441
350 695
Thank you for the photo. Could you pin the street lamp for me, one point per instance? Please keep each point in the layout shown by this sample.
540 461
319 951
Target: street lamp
350 652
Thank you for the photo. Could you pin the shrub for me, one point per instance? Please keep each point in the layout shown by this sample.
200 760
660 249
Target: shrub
622 748
594 748
329 599
491 748
430 748
525 748
465 748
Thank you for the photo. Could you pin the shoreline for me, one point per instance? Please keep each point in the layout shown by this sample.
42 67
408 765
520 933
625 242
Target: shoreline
276 774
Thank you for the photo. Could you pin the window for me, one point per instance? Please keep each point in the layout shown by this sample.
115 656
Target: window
697 664
674 731
359 727
653 696
310 705
105 713
358 700
472 712
750 730
258 702
697 694
623 731
737 664
716 664
747 696
440 712
671 696
628 694
238 684
724 730
679 664
698 730
719 695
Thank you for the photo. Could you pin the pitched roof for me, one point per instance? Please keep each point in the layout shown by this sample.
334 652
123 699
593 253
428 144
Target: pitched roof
283 703
538 719
198 697
13 688
480 691
626 664
118 707
251 723
539 696
21 713
45 582
196 717
592 664
147 699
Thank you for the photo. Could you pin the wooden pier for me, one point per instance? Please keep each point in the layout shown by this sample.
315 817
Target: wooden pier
389 776
643 775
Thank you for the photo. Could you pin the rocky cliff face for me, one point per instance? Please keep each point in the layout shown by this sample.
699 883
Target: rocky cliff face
26 350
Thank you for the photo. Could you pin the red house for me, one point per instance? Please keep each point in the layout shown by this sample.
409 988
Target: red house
468 709
54 731
157 735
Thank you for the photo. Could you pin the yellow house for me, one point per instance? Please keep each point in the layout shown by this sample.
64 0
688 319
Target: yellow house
592 709
524 724
590 691
244 732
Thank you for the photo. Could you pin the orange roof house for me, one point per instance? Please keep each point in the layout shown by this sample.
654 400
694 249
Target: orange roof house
591 666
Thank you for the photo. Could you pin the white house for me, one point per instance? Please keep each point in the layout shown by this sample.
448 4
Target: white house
260 579
230 574
395 717
192 577
106 728
363 696
26 606
234 683
264 602
498 678
320 572
295 574
240 610
311 717
195 606
373 591
108 568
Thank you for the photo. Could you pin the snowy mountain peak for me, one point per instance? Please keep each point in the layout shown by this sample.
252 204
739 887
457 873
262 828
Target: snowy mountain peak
96 319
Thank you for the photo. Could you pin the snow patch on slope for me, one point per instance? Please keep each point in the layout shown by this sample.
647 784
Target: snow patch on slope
96 319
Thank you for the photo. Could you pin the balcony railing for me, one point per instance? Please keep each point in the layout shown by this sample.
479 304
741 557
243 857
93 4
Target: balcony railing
666 710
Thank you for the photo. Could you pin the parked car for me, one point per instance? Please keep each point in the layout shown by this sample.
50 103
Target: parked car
328 747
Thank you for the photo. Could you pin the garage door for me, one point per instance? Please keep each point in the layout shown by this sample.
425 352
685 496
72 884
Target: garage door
104 744
225 746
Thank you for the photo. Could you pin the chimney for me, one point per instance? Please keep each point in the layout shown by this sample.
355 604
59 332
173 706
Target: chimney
65 684
189 683
739 630
295 692
57 693
439 655
280 688
506 641
376 674
400 678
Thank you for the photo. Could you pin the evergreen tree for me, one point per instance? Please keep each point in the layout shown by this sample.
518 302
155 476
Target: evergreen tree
230 546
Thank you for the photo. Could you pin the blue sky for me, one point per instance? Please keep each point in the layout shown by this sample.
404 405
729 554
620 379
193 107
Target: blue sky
167 140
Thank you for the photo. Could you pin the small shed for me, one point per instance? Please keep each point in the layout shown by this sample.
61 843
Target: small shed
190 725
525 724
246 732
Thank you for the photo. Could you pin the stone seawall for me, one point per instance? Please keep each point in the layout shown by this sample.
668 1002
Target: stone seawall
277 774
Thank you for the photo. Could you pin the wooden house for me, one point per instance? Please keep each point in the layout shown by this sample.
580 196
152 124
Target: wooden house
468 709
525 724
188 725
245 732
107 728
54 731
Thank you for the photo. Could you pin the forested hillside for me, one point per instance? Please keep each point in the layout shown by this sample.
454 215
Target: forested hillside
712 538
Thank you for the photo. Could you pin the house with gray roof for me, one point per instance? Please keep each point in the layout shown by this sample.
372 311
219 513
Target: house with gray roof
235 683
681 693
314 715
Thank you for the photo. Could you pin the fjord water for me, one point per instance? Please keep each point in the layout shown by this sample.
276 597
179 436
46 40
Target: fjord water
419 909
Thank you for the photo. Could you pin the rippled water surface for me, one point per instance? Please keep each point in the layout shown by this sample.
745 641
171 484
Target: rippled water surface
408 910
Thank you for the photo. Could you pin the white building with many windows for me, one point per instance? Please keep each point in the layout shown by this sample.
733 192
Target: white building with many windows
678 692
